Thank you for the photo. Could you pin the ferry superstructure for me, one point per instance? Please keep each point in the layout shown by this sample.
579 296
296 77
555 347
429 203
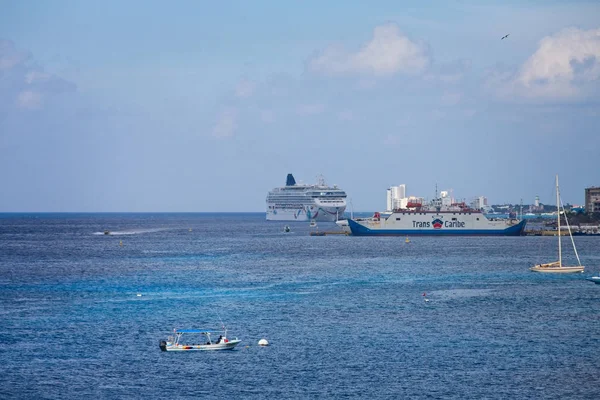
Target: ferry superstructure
435 220
299 202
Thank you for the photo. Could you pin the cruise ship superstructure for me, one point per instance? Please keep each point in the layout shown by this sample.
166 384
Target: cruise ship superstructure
299 202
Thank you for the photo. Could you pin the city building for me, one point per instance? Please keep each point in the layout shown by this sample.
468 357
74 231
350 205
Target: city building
592 199
395 197
480 203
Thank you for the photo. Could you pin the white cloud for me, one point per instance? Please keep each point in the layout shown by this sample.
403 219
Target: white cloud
23 83
267 116
345 115
469 112
451 98
226 124
245 88
36 76
391 140
387 53
571 53
29 99
366 84
449 73
310 109
565 66
9 56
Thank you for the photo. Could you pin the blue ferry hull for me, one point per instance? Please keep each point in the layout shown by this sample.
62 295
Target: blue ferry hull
360 230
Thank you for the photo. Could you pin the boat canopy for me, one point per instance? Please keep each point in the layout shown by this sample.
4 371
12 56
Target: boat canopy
197 330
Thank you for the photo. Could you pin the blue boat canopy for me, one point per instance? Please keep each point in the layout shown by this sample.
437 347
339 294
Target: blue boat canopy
197 330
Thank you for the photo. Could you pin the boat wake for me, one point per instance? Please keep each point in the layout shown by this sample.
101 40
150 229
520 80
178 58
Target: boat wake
448 294
129 232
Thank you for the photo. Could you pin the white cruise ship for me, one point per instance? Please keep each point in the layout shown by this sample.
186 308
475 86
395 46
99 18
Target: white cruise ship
298 202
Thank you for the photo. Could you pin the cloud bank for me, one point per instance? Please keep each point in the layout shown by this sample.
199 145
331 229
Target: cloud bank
23 84
389 52
227 124
566 66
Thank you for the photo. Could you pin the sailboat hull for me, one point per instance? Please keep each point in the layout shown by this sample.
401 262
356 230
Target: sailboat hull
556 270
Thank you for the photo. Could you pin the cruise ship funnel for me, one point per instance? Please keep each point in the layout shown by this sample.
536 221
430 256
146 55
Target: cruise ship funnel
290 181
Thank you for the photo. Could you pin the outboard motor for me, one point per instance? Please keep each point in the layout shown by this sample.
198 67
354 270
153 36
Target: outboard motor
163 345
290 181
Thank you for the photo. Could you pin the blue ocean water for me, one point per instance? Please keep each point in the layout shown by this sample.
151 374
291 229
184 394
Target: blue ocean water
345 316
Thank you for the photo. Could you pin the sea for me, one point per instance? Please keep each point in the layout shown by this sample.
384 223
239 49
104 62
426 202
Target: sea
82 312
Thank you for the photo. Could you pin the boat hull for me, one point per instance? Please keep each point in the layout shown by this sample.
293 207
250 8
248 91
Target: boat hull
306 213
557 270
425 228
230 345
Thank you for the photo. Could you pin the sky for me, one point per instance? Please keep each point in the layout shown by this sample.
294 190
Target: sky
197 106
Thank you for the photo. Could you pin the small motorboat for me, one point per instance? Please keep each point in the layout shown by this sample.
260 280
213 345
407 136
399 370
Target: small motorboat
107 232
194 342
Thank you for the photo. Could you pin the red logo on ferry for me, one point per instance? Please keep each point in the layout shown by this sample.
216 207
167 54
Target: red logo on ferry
437 223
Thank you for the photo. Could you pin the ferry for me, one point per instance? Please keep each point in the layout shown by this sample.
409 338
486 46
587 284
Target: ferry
435 220
299 202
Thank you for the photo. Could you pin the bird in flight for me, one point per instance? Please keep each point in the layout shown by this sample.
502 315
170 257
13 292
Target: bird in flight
505 36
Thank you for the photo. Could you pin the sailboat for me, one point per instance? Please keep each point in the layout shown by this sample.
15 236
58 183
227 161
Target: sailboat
557 267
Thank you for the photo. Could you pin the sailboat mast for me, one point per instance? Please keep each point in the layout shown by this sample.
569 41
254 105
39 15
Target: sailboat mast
558 213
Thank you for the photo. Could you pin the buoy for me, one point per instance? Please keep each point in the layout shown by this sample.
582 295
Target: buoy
121 243
263 342
190 229
407 241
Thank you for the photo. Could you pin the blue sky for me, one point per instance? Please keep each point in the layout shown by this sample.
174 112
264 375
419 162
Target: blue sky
205 106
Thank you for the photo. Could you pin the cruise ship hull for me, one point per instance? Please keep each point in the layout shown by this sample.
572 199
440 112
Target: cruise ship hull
432 224
319 214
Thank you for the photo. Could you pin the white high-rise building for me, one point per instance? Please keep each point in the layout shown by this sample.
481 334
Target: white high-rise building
401 191
395 196
480 203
